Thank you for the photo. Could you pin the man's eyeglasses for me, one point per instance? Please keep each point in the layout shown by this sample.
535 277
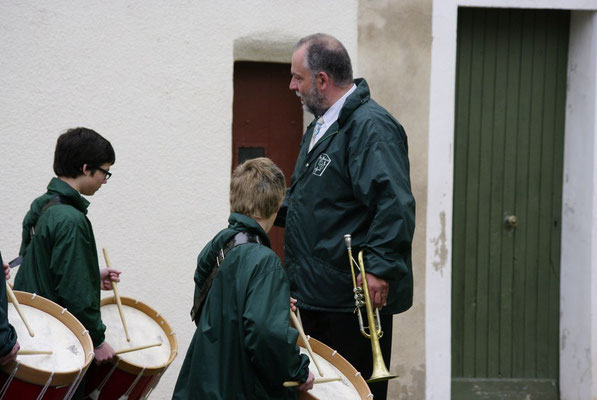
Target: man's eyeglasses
107 173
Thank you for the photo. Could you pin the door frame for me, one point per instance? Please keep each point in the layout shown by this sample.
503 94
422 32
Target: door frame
578 330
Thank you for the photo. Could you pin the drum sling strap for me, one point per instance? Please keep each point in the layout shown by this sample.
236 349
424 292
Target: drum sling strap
53 202
237 240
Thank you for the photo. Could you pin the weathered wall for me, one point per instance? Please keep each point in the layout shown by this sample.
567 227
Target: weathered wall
395 58
155 78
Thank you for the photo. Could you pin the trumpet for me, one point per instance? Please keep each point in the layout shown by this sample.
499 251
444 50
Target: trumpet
380 372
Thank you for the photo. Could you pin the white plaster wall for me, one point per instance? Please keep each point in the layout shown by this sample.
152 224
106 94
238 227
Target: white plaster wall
579 246
155 78
578 322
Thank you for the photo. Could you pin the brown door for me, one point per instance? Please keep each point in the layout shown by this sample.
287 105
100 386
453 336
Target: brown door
267 122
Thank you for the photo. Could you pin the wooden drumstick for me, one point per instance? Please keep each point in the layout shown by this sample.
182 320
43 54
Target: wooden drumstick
33 352
117 297
299 327
137 348
17 307
318 380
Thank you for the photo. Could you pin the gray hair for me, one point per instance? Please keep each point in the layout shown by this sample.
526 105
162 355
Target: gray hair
327 54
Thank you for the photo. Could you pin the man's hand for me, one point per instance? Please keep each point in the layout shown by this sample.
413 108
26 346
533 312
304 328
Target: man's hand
103 353
378 289
293 304
308 385
107 275
12 355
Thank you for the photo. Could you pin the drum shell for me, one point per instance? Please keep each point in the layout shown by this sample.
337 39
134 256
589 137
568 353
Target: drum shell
125 373
29 381
335 359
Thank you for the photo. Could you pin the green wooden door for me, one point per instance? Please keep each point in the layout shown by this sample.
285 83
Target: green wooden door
509 135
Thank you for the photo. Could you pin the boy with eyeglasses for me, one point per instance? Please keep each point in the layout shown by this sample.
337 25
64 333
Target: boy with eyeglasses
58 247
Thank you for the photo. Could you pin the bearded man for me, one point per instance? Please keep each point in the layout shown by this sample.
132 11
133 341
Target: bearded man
351 177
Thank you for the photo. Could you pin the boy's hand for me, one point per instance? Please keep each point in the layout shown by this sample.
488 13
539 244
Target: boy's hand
293 304
308 385
107 275
6 271
12 355
103 353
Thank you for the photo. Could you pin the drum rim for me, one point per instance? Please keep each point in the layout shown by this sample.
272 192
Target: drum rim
336 359
131 367
37 376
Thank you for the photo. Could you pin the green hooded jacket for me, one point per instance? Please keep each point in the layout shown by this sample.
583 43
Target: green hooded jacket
60 260
243 347
8 335
354 181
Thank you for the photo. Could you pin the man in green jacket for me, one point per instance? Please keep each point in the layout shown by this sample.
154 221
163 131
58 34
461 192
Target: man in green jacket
351 177
8 336
58 247
243 347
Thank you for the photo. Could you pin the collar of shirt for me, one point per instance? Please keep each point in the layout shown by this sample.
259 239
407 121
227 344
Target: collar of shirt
331 115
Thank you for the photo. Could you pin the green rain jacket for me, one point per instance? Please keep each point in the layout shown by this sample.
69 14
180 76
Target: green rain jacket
60 260
355 180
8 335
243 347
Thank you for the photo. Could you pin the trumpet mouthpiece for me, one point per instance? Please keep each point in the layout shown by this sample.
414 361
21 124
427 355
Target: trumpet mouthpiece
347 240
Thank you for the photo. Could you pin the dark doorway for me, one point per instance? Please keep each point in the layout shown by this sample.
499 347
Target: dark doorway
267 122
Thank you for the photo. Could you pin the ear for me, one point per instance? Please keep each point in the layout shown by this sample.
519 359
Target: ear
322 80
85 169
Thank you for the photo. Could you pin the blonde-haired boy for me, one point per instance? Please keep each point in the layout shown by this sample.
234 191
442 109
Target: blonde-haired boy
243 347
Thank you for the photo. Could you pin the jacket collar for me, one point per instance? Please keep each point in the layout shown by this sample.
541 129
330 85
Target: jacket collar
241 222
360 96
58 187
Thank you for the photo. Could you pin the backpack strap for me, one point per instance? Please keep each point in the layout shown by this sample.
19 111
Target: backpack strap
236 240
52 202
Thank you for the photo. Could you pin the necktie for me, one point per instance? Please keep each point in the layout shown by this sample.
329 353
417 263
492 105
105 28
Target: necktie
314 137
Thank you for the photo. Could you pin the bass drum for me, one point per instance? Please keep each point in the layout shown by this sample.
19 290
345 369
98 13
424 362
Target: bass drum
47 376
351 385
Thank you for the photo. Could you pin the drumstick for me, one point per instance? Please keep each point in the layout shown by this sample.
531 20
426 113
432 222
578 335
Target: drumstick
33 352
137 348
318 380
299 327
17 307
117 297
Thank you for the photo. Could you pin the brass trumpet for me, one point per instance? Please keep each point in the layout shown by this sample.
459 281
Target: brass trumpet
380 372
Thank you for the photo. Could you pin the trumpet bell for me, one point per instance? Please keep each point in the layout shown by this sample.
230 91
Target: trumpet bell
380 372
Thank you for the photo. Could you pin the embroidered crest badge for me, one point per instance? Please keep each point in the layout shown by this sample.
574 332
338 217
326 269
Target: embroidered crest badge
322 163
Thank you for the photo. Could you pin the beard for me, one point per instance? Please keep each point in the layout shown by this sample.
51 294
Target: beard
314 101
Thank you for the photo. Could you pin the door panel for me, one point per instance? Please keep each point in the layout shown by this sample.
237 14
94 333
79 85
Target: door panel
509 129
267 121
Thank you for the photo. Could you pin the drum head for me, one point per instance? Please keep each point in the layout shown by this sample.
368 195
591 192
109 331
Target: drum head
55 329
145 326
352 384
